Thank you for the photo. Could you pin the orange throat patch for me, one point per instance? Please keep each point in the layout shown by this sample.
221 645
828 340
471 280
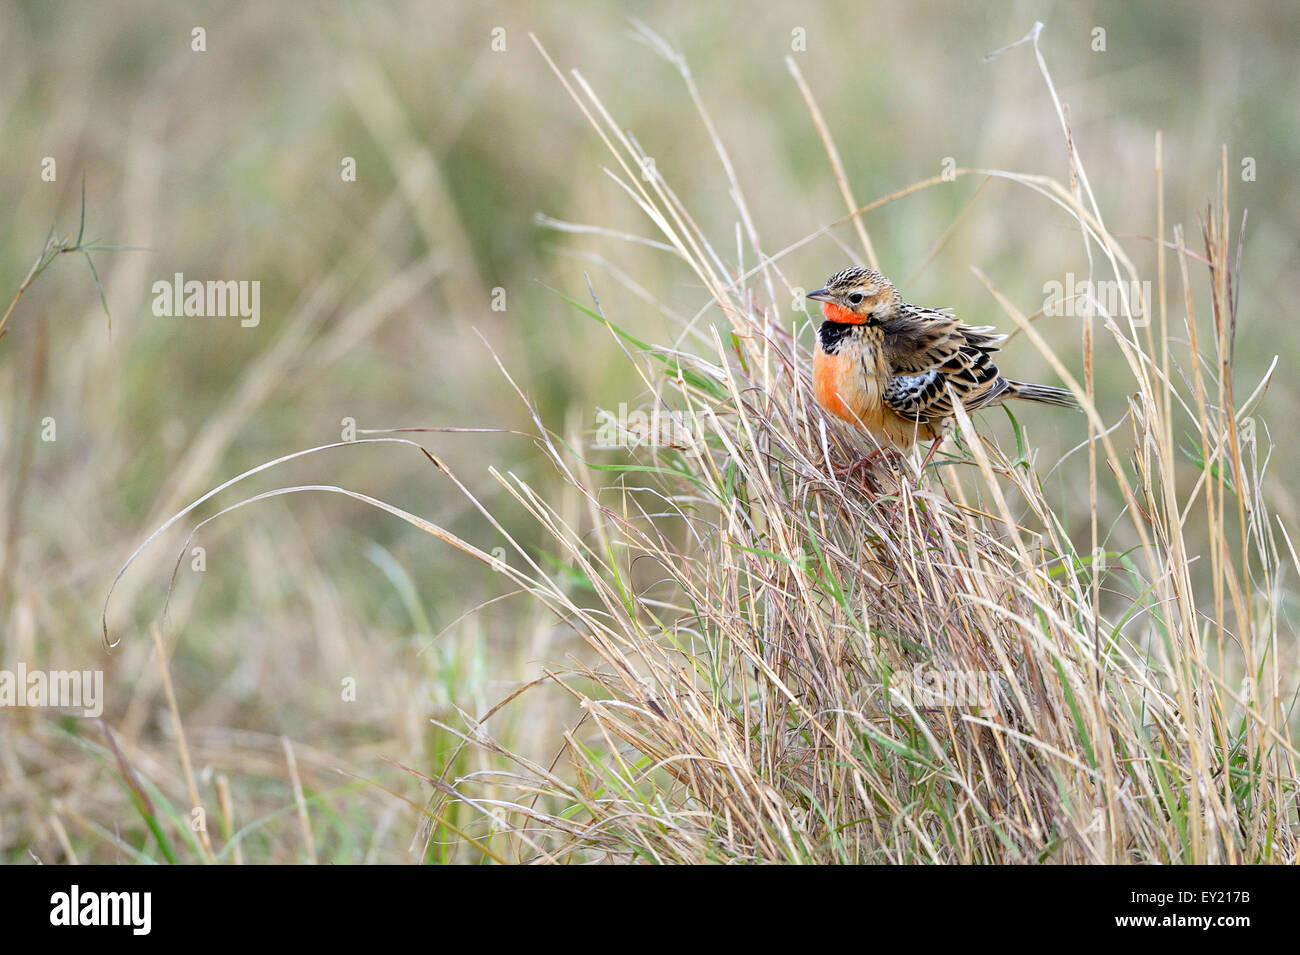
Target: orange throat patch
838 313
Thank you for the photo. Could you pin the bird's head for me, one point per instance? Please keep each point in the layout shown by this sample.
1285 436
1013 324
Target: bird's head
857 296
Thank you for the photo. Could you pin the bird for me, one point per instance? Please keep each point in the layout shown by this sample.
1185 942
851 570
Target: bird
893 369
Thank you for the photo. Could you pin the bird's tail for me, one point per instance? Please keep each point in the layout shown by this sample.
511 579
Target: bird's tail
1047 394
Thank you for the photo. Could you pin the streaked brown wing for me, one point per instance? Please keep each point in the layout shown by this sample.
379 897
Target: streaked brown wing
918 339
968 371
930 350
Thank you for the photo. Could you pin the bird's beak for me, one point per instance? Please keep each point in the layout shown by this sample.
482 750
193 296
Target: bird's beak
821 295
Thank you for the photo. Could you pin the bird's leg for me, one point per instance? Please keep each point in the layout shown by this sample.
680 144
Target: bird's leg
934 447
865 463
929 457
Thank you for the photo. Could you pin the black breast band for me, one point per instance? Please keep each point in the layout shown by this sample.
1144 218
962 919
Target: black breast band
832 333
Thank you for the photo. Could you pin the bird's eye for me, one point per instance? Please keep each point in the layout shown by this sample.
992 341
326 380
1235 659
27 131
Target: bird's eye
855 298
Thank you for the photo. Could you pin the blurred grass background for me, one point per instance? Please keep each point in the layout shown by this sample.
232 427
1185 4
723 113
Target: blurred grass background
226 165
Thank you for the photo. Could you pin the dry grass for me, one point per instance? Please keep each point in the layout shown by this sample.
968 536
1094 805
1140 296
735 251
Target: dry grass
748 628
758 625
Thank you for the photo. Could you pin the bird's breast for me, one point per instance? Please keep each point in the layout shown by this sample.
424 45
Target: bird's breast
845 385
848 383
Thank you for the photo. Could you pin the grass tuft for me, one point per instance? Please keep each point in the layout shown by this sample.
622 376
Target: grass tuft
783 664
